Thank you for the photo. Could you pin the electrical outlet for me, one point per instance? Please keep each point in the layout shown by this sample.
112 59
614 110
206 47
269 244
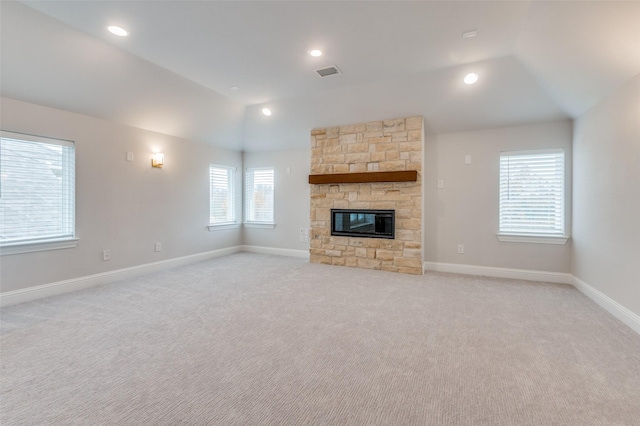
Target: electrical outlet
467 159
106 255
440 183
306 238
158 246
460 248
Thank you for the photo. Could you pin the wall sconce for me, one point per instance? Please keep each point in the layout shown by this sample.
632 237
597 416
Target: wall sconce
157 160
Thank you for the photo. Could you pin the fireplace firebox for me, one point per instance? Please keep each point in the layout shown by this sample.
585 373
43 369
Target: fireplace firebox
363 223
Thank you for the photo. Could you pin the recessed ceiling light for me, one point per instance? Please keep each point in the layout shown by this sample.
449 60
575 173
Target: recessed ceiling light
471 78
234 88
315 52
118 31
266 111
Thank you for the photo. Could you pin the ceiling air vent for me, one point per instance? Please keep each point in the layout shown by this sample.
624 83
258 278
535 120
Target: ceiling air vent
326 72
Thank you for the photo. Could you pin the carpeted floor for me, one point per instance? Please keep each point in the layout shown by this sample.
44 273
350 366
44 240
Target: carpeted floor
252 339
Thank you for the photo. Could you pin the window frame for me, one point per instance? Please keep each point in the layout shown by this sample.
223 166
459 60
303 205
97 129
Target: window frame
247 193
560 237
232 198
67 239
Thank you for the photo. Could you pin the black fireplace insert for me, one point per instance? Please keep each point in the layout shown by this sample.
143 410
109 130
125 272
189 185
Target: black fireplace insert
363 223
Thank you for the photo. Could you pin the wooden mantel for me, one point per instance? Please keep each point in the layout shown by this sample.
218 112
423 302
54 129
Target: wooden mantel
402 176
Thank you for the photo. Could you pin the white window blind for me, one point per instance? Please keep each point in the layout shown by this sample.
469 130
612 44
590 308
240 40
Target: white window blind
532 193
259 195
222 198
37 189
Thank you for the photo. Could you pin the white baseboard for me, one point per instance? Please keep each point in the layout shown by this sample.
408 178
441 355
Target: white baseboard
614 308
610 305
38 292
304 254
487 271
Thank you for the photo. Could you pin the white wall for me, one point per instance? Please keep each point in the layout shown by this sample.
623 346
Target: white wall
291 198
465 211
122 206
606 204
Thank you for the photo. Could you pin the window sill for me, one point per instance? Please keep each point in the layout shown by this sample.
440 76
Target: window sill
223 226
263 225
33 246
535 239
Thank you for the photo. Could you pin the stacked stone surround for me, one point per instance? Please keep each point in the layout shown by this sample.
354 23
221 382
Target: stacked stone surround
389 145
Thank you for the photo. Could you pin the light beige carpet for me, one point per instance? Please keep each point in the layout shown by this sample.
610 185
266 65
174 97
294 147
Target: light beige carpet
266 340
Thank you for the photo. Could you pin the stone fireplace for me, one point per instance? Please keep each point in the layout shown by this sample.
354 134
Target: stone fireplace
364 150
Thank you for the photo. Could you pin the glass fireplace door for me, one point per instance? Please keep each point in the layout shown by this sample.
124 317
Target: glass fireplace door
363 223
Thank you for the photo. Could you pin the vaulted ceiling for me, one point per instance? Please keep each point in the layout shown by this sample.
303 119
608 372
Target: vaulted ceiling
537 61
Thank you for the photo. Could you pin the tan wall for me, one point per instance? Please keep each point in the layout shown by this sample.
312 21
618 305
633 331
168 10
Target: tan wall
122 206
389 145
466 210
606 197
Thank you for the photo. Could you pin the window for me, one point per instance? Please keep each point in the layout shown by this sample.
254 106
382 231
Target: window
259 196
532 196
222 196
37 193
